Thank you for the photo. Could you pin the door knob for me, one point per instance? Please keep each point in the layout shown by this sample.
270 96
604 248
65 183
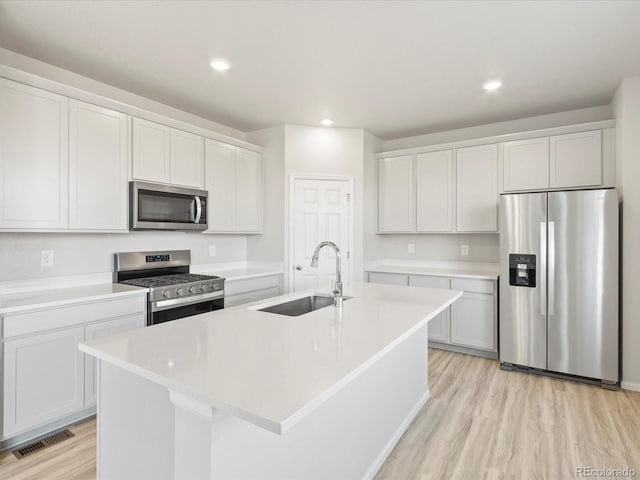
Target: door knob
298 267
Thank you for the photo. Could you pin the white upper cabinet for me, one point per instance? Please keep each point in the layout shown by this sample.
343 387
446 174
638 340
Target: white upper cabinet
248 190
434 192
477 189
151 151
525 164
220 183
34 158
187 164
98 165
576 160
396 204
166 155
233 178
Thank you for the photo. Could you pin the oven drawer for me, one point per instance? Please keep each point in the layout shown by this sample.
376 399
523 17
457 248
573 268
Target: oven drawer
38 321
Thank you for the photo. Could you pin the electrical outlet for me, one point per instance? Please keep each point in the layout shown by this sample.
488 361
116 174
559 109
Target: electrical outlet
46 258
464 250
411 248
212 250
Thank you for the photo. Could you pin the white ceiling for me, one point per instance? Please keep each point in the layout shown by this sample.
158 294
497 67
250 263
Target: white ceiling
393 68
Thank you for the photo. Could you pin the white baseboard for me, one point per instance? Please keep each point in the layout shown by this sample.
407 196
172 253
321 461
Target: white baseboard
375 466
630 386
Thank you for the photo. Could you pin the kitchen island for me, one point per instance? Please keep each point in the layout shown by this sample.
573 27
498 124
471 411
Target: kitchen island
244 394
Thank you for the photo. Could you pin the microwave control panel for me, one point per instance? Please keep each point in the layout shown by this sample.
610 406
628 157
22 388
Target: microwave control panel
522 270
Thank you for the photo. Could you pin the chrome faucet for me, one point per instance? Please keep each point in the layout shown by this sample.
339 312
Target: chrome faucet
337 290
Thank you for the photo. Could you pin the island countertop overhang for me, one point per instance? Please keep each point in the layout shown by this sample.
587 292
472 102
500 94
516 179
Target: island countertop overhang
269 369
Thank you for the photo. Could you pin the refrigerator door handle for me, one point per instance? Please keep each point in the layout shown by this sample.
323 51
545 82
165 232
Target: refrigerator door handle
543 268
552 266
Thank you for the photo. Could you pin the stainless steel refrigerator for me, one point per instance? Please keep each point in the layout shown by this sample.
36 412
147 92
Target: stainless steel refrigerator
559 283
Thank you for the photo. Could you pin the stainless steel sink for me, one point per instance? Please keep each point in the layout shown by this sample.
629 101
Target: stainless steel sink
300 306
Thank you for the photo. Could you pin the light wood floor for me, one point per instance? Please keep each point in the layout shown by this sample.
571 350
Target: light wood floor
480 422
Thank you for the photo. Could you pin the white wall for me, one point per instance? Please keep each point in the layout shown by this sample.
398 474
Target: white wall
626 107
372 145
559 119
76 254
328 151
270 245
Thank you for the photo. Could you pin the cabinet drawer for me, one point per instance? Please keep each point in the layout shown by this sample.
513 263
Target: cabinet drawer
248 297
473 285
33 322
235 287
389 278
428 281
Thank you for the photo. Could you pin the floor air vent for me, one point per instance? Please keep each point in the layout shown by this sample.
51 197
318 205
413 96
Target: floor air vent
42 444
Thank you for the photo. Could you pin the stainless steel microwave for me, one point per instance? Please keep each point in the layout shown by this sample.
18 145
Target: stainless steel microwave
154 206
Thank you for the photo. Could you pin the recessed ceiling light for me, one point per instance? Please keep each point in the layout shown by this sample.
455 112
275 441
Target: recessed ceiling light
327 122
220 64
492 85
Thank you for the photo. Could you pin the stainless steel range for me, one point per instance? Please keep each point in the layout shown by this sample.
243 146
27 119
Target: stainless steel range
173 291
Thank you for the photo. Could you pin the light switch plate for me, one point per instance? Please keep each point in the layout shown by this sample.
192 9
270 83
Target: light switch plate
464 250
411 248
46 258
212 250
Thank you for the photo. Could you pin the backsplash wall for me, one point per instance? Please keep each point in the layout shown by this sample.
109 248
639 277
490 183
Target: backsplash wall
436 247
76 254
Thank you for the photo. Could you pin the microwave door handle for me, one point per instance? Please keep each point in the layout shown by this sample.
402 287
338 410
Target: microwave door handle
198 210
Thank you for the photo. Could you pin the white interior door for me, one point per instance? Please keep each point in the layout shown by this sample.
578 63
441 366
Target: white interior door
321 211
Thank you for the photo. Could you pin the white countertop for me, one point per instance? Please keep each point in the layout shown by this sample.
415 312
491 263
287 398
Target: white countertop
55 297
487 271
270 369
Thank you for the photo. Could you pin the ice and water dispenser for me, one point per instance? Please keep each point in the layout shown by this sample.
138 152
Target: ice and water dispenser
522 270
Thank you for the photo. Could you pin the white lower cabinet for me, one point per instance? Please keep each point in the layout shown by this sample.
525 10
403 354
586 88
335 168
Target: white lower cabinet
103 329
438 326
238 292
473 321
469 323
43 379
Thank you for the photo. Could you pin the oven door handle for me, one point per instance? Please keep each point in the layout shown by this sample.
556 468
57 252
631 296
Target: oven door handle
161 305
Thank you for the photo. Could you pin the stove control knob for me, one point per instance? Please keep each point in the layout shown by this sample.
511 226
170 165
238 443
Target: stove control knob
179 291
203 288
165 294
192 289
213 286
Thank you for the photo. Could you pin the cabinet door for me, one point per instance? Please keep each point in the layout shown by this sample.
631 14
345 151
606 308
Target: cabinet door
220 183
98 330
576 160
525 164
187 164
395 194
438 326
43 379
434 192
151 151
388 278
473 322
248 191
34 157
98 161
477 189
